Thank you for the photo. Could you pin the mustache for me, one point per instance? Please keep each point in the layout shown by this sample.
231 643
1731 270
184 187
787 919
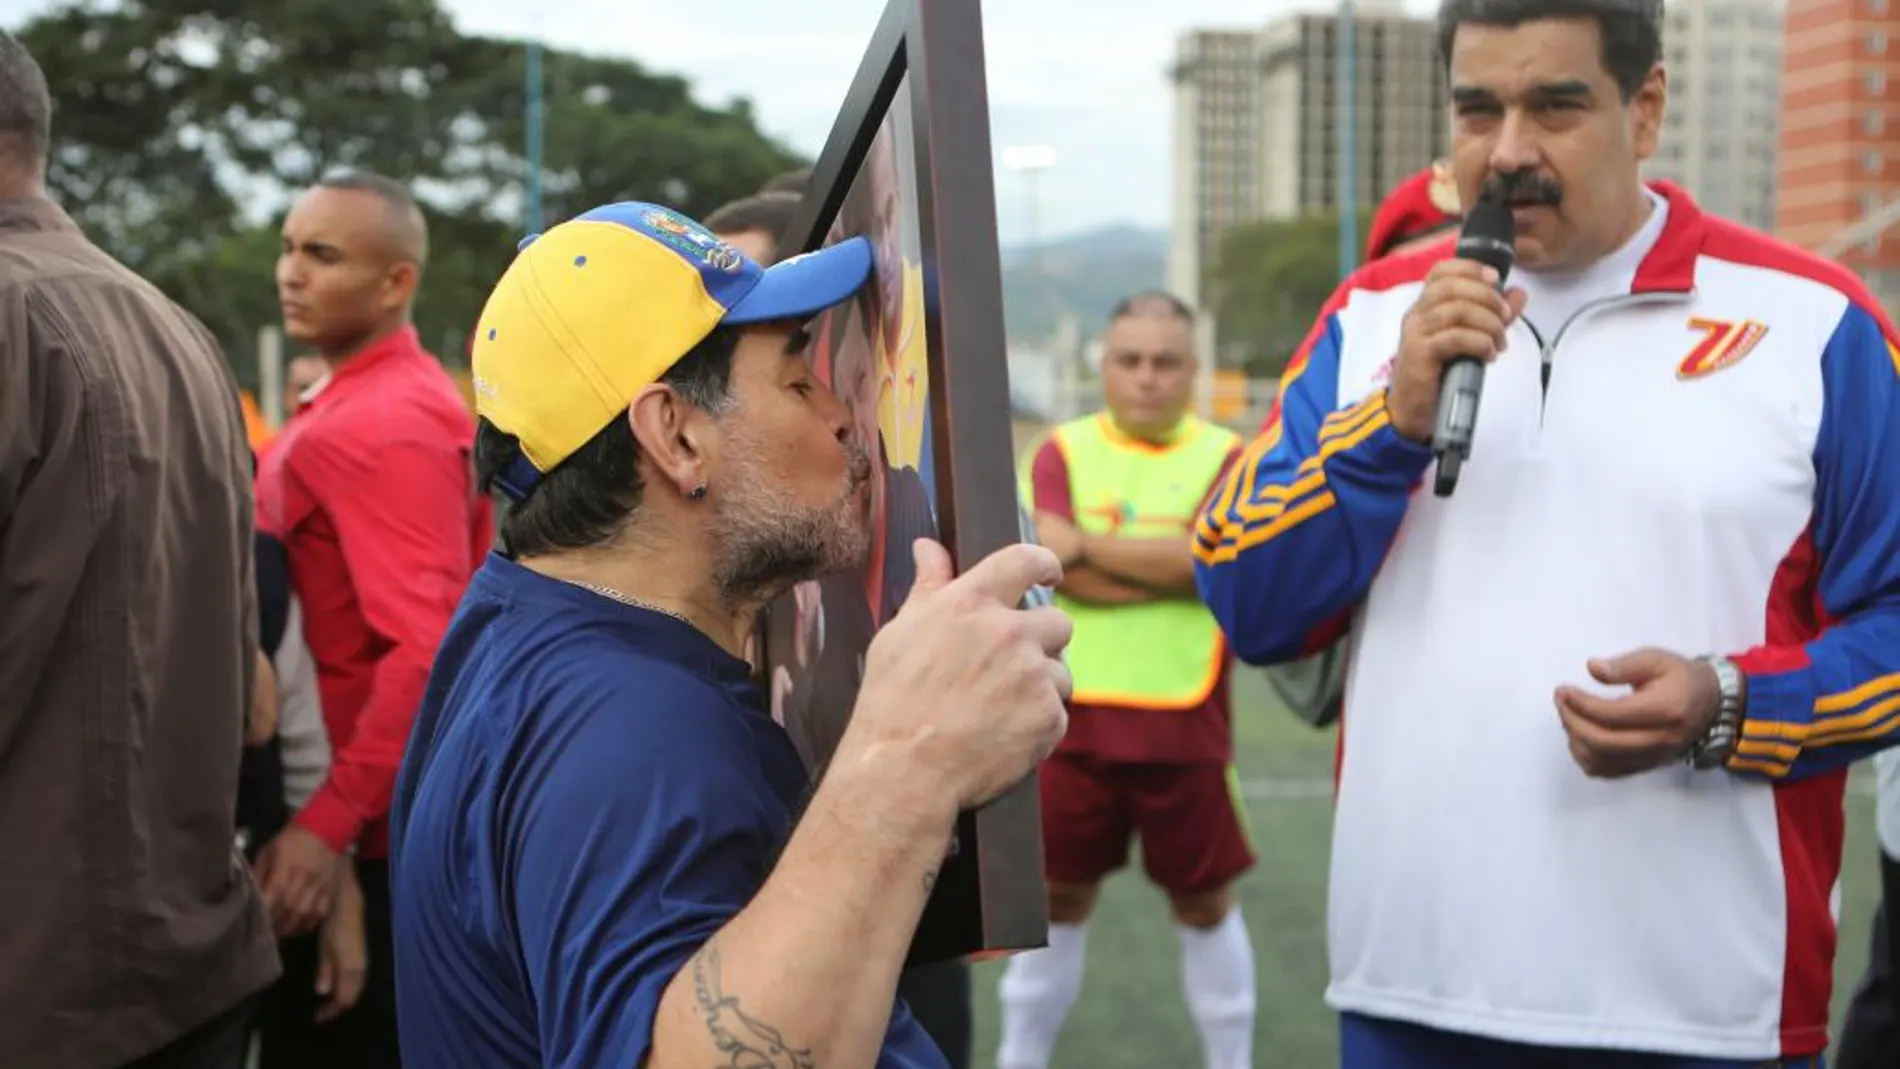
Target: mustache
1522 187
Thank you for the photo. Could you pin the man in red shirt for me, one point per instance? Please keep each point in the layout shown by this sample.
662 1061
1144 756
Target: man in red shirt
1149 745
370 490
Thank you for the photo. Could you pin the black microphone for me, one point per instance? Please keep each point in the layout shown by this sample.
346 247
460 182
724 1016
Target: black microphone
1489 237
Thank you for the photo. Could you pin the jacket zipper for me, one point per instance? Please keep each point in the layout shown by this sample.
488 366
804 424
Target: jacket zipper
1548 350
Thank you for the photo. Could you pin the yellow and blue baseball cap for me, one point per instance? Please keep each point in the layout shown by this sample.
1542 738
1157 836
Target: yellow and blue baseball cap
604 304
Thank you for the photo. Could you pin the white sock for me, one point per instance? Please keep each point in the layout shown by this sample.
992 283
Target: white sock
1218 979
1037 990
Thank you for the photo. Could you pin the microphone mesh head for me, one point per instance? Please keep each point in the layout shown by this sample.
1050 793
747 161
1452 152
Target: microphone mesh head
1489 235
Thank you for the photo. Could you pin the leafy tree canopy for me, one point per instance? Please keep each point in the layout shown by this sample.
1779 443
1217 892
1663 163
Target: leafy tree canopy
1267 285
181 127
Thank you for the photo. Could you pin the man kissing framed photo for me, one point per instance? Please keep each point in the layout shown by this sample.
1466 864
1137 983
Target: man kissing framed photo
919 359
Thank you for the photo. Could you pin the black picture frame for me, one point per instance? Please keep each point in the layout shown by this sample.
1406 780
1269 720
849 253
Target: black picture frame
990 895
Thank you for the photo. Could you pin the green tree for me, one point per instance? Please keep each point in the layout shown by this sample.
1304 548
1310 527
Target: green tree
616 132
182 125
1267 284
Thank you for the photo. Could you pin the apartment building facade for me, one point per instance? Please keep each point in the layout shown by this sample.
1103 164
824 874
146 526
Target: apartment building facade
1257 131
1720 131
1216 114
1840 132
1399 90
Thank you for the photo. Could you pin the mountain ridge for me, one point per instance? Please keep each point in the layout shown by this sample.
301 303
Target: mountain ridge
1083 274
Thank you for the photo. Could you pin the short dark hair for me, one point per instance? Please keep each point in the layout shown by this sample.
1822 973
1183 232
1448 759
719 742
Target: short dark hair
26 104
1149 302
588 498
795 181
402 204
1631 29
770 212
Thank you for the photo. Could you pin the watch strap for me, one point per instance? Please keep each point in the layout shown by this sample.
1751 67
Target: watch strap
1718 743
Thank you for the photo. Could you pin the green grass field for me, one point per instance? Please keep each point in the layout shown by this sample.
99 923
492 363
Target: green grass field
1130 1015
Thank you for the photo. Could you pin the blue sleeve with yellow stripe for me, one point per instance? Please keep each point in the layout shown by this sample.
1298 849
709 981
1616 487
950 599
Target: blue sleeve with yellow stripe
1816 703
1306 515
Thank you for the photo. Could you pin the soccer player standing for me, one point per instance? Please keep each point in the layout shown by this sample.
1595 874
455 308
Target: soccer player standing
1150 743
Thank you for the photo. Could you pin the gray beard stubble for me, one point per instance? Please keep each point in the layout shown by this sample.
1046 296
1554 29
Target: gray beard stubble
768 543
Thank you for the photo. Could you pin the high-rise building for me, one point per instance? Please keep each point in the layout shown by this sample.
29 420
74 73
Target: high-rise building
1216 77
1840 132
1400 93
1719 131
1256 122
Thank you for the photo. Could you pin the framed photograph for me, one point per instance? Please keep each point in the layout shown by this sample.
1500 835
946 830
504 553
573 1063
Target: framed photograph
920 361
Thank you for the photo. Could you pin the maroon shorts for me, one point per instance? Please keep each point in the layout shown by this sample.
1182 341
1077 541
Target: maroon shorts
1193 835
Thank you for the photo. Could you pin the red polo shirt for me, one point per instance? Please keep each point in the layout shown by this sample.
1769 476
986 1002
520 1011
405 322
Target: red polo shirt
371 490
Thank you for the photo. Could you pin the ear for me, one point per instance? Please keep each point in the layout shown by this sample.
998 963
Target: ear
399 286
675 437
1646 108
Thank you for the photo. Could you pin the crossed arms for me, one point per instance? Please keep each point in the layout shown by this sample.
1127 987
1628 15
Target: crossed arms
1105 569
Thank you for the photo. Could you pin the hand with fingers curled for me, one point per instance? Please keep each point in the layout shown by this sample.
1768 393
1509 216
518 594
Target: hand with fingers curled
965 687
1459 313
296 870
1669 706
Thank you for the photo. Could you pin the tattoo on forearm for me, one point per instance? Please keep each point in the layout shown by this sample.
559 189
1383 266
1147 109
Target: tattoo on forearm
745 1042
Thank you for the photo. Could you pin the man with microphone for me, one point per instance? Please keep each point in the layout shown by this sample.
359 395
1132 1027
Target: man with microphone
1604 692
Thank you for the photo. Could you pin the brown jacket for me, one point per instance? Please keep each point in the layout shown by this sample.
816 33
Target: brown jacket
127 631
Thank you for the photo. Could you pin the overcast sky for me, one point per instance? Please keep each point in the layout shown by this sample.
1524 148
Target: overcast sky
1085 77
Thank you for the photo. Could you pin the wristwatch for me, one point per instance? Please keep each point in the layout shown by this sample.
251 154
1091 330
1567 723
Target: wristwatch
1716 745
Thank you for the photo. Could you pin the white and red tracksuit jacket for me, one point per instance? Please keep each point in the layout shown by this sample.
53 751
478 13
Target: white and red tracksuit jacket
1711 465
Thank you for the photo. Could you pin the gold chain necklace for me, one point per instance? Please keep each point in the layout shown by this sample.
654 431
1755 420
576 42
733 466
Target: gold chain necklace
615 595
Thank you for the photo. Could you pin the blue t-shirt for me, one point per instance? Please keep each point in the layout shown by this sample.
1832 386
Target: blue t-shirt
590 792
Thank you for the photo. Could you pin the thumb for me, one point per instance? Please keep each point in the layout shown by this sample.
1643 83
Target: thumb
934 570
1008 574
1631 669
1516 299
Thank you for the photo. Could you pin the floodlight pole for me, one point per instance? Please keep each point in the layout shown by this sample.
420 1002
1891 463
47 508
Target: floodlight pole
536 148
1345 87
